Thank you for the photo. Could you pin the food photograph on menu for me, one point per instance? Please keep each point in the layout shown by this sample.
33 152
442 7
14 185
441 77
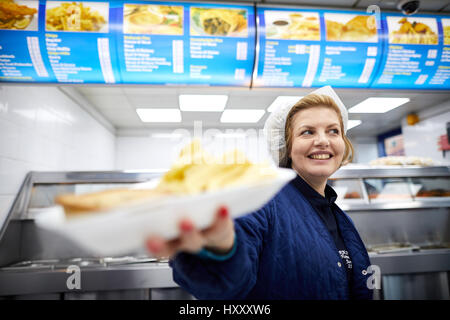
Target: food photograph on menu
153 19
219 22
412 30
77 16
446 28
292 25
19 15
350 27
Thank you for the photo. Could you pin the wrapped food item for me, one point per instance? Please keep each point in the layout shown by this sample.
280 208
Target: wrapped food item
402 160
219 22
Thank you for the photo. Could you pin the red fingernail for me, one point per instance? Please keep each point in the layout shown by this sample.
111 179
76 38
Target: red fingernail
186 226
223 212
154 246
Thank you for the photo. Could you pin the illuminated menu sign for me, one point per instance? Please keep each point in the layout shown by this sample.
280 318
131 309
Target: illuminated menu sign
127 42
206 44
414 56
58 41
20 51
313 48
213 44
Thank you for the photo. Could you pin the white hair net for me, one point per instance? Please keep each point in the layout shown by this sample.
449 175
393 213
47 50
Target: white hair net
274 126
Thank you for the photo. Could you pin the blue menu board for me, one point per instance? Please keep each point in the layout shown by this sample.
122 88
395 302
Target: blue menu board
312 48
186 43
441 78
80 41
20 50
64 41
414 57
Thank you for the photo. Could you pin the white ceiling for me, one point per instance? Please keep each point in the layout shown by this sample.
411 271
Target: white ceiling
118 103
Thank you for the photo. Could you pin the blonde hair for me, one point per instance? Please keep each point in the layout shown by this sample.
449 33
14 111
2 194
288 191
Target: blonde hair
311 101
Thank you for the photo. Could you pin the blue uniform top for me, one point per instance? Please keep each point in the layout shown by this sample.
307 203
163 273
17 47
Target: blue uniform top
283 251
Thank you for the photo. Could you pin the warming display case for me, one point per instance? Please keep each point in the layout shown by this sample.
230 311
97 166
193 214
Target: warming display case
37 264
402 215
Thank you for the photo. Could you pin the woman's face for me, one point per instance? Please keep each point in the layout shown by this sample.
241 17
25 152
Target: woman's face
317 144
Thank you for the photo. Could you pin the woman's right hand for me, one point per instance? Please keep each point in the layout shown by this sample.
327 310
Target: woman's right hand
218 238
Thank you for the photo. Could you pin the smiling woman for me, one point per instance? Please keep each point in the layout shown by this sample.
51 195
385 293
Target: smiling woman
315 140
300 245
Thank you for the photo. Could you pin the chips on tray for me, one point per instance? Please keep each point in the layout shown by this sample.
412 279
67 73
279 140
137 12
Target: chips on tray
195 171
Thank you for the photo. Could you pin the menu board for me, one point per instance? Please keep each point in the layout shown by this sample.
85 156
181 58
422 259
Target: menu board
58 41
441 77
185 43
414 56
79 41
312 48
127 42
20 51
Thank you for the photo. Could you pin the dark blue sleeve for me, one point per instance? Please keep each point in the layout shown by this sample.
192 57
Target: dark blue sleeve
234 277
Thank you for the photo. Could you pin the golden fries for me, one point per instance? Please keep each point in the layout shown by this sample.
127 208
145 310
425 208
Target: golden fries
73 17
197 171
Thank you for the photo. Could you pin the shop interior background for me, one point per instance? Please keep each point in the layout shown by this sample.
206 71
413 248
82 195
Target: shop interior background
58 127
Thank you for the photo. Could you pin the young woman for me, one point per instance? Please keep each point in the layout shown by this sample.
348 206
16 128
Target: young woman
300 245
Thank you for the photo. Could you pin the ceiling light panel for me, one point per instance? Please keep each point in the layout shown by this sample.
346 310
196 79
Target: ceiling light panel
203 103
242 115
353 123
159 115
378 105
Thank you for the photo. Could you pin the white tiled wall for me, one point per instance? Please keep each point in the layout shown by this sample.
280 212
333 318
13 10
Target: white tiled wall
421 139
147 152
365 149
42 129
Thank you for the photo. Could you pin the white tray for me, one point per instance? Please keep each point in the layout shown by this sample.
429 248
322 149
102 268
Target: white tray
124 230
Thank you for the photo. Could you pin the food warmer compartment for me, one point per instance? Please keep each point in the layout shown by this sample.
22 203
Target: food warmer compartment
403 216
36 264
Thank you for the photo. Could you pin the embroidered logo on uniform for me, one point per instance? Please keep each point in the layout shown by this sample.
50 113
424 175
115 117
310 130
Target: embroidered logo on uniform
345 257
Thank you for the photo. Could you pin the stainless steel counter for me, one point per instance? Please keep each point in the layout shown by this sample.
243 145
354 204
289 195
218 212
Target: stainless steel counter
44 280
422 274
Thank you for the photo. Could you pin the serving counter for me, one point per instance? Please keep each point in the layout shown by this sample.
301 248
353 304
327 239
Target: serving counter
402 215
39 264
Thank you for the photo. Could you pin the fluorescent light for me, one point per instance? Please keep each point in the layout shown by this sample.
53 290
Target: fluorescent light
200 102
378 105
353 123
167 135
231 135
241 115
159 115
281 101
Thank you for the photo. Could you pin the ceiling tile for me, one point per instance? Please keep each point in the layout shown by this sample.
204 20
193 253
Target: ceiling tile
99 90
153 100
121 114
109 101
